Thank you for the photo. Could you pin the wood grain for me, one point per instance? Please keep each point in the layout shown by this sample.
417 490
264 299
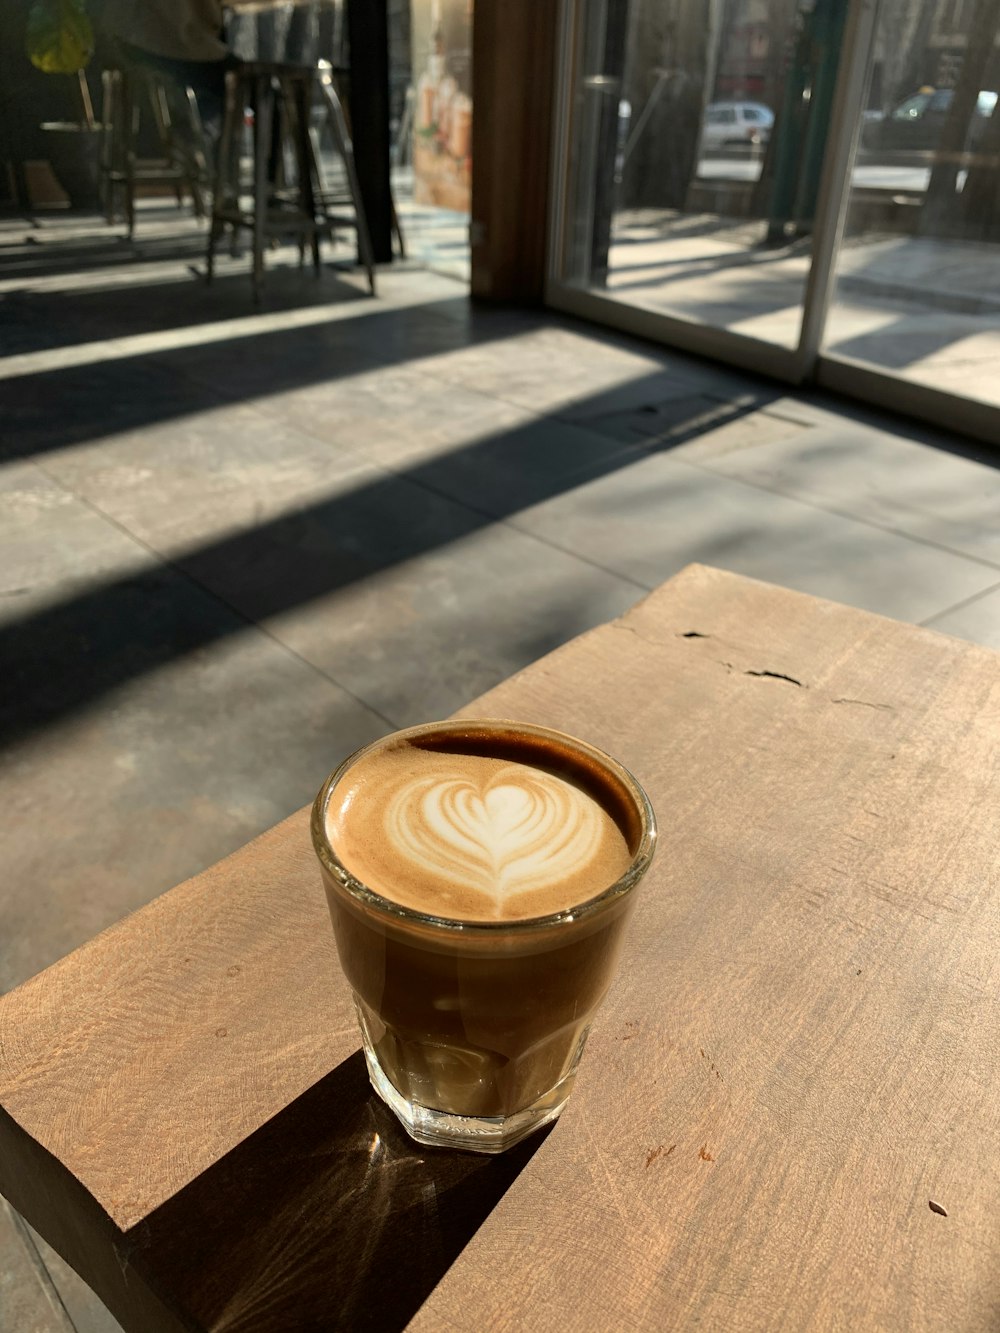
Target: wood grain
798 1057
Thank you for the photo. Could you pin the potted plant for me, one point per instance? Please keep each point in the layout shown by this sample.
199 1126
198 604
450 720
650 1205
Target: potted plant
60 40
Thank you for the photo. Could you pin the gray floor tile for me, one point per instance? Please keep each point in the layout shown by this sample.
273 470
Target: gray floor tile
625 410
740 427
53 542
183 303
493 321
410 600
395 415
261 363
513 468
977 620
53 409
179 734
29 1302
180 483
907 486
405 284
422 638
697 425
656 515
658 390
547 370
322 547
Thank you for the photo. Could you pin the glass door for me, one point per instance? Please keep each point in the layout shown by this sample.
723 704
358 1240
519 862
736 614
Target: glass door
696 140
915 310
809 188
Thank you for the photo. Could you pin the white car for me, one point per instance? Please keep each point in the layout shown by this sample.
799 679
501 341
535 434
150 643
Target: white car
736 124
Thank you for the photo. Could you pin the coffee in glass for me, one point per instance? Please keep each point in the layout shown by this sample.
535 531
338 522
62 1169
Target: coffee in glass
479 877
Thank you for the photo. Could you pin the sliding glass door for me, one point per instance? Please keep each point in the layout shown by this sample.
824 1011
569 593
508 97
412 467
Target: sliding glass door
810 188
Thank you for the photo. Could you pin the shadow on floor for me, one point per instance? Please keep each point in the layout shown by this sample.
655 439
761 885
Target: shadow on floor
51 319
60 658
51 409
46 254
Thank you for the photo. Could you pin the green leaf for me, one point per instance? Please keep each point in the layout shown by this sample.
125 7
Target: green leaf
60 39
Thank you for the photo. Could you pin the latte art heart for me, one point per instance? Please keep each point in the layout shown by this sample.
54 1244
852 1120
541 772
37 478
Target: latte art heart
471 835
523 831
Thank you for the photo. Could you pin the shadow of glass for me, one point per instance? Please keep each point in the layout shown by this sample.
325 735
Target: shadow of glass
328 1217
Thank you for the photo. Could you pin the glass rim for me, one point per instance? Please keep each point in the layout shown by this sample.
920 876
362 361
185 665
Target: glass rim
368 897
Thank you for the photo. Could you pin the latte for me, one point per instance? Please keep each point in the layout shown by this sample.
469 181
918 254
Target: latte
458 830
480 877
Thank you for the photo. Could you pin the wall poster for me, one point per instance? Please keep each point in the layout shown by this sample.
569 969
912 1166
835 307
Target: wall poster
442 109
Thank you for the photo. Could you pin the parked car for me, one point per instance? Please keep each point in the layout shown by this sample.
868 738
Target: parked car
735 124
917 121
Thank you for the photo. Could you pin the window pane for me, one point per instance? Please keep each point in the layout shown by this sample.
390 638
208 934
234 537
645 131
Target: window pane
918 275
698 132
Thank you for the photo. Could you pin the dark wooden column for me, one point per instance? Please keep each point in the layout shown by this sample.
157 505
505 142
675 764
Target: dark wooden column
513 77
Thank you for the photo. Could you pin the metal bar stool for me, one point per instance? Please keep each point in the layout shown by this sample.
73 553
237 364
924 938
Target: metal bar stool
183 163
286 196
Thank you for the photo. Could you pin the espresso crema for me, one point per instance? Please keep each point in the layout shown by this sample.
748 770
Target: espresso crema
476 829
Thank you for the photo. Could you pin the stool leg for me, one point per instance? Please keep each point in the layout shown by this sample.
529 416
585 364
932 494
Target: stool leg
107 159
397 229
318 186
130 119
294 117
263 121
199 173
228 147
342 138
305 166
119 146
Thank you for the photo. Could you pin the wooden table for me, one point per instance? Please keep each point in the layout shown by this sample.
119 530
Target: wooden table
788 1113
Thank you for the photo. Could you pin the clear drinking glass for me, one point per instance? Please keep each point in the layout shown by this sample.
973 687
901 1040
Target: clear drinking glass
473 1030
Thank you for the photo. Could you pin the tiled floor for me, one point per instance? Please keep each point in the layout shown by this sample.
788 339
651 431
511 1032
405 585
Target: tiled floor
238 543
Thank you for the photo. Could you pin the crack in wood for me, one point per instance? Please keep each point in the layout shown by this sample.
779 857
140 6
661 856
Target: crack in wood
864 703
777 675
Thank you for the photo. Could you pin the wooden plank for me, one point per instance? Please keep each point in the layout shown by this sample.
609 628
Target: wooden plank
798 1057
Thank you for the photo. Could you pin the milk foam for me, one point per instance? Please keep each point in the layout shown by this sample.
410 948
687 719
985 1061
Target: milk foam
471 834
523 830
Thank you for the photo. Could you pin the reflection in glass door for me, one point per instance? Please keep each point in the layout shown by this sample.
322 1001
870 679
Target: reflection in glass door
697 134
